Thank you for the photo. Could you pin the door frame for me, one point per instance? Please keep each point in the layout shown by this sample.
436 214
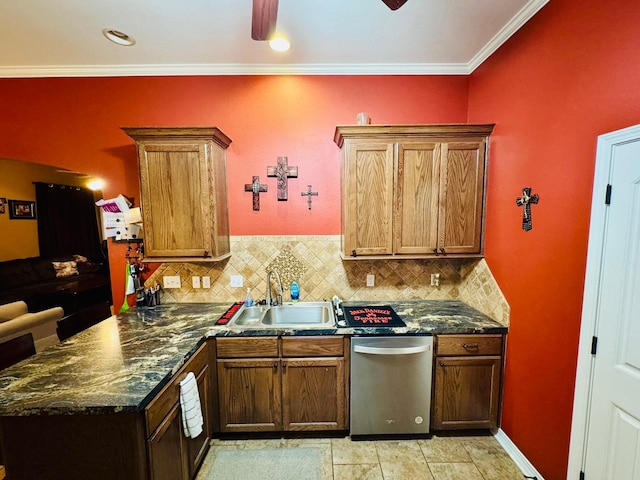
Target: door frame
607 143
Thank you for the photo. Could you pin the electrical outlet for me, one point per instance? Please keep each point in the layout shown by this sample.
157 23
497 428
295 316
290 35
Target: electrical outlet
435 279
170 281
195 282
371 280
206 282
237 281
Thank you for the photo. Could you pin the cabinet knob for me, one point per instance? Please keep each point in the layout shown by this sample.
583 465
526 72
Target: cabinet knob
275 367
353 253
442 251
435 250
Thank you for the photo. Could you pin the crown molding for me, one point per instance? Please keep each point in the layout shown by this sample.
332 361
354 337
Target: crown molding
522 17
232 69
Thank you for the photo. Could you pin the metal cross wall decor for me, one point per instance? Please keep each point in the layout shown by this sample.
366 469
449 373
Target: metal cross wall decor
525 201
283 172
309 194
256 187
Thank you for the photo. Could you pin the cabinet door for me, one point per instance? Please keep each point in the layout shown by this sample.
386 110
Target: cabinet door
166 448
368 199
197 447
249 395
467 392
174 188
461 197
313 393
417 186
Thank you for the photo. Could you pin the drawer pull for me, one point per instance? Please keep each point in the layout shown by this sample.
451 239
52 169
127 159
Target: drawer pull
471 346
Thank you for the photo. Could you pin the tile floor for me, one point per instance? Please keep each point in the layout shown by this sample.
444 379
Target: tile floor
437 458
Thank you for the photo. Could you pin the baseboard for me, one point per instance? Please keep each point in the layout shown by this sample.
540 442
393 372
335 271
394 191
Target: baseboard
517 456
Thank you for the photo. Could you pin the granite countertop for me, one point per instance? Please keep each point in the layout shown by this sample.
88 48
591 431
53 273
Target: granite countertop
120 364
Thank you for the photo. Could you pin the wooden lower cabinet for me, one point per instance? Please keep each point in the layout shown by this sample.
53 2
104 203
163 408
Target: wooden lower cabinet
166 447
468 377
249 395
313 394
283 392
172 455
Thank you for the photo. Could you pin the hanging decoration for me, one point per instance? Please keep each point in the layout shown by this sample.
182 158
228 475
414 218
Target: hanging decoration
283 172
256 188
309 194
525 201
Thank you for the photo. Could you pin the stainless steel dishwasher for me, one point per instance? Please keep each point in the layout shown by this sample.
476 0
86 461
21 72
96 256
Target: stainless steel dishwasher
391 385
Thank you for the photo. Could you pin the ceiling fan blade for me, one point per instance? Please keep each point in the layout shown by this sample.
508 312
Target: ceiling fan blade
394 4
263 21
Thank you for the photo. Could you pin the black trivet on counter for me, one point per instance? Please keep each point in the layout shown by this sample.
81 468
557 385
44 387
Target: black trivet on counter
375 316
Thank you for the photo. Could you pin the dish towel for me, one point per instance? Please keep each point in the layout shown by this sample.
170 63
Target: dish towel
192 421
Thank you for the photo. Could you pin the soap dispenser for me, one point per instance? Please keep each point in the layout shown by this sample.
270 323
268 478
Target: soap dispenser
295 292
248 301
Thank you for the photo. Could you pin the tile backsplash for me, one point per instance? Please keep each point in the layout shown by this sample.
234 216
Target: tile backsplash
315 263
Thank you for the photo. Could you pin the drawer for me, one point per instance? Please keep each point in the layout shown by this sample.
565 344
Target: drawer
313 346
161 405
246 347
468 345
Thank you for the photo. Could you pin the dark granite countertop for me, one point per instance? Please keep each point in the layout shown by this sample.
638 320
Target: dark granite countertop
123 362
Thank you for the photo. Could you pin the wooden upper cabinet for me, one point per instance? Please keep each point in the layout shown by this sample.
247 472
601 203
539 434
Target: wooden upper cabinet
183 192
413 191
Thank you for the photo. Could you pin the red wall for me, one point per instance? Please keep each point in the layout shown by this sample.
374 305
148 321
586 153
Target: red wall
75 124
571 74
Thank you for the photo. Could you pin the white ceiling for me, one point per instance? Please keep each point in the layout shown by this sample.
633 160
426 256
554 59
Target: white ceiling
213 37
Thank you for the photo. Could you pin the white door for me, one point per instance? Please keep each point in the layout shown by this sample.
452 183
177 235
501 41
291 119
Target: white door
610 445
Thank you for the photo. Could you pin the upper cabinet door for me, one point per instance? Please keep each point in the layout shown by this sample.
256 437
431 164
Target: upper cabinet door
368 198
461 197
175 193
418 183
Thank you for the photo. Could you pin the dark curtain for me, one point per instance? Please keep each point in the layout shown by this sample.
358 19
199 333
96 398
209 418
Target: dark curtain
67 223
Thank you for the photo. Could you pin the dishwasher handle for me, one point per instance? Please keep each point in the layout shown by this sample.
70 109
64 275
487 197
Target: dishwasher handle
391 350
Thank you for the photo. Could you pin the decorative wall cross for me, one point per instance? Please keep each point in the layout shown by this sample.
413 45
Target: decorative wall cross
525 201
256 187
283 171
309 194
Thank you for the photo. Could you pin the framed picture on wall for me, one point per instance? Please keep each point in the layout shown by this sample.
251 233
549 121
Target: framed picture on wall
22 210
3 203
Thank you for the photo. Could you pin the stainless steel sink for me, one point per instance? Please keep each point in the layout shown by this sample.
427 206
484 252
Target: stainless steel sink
307 315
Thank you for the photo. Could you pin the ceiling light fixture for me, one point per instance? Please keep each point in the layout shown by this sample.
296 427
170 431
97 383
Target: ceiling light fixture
279 44
119 37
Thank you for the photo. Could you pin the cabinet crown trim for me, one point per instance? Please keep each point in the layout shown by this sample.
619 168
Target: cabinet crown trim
411 130
178 133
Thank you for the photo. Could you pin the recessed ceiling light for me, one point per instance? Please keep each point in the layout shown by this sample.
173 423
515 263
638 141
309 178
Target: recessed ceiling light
279 44
119 37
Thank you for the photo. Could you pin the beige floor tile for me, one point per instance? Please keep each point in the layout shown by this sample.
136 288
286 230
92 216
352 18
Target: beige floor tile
364 471
347 452
444 450
455 471
499 469
402 460
405 471
491 459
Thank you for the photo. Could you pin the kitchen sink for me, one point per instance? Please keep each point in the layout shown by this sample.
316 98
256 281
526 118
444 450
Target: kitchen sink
308 315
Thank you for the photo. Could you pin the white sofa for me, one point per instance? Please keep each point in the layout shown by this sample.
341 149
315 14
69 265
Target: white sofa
15 320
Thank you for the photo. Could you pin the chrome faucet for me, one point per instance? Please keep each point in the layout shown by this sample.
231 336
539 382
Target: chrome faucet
279 292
